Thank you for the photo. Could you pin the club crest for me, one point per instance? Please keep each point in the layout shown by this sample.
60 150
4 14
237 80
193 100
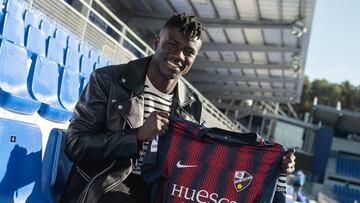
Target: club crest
242 179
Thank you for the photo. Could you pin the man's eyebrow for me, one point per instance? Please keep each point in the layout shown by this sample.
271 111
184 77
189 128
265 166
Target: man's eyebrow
174 40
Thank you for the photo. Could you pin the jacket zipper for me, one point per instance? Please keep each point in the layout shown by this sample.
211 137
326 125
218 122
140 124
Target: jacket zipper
92 180
83 174
110 187
188 102
119 181
192 117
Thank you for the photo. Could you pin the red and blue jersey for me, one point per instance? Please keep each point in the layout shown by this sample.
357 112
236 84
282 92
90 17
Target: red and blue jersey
198 164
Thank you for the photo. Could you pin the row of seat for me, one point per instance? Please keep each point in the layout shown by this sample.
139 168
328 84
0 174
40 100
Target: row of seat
42 68
24 176
24 27
346 194
348 167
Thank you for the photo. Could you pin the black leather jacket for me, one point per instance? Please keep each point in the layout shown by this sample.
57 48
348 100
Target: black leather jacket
101 139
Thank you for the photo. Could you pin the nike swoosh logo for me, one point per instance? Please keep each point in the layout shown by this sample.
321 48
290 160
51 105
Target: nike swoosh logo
179 165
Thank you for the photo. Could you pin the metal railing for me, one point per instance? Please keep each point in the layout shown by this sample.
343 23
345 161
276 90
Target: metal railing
77 19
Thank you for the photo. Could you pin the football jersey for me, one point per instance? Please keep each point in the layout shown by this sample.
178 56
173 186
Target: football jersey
198 164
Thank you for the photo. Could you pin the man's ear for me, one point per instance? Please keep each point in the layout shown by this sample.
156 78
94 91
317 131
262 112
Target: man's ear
156 41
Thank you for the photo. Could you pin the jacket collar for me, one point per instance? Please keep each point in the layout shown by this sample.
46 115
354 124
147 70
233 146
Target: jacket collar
133 78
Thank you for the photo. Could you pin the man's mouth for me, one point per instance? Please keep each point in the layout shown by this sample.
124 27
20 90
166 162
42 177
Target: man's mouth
174 65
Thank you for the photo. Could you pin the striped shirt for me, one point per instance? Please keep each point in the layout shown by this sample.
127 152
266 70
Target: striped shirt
154 100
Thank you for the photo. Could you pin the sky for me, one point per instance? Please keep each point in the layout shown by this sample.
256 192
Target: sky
334 50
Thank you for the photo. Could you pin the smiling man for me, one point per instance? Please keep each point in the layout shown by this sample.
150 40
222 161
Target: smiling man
123 108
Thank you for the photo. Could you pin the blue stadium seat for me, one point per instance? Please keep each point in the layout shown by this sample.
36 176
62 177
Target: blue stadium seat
31 19
348 167
55 51
345 194
20 168
15 9
48 28
102 62
86 67
61 37
43 86
35 40
84 49
73 43
72 60
94 59
56 166
13 29
69 89
83 83
14 95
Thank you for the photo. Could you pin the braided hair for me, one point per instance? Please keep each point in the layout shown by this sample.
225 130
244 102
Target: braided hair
188 25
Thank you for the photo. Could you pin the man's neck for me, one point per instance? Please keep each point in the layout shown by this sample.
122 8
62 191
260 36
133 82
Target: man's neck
164 85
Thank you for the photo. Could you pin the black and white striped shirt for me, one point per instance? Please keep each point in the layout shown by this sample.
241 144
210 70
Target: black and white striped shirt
154 100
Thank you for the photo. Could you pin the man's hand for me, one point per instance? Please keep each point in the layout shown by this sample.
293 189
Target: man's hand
288 162
155 124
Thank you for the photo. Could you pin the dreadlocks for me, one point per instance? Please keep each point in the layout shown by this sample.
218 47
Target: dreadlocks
188 25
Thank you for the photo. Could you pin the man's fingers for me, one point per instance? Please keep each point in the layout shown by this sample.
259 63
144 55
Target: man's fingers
291 150
165 121
288 165
288 168
286 161
163 114
290 155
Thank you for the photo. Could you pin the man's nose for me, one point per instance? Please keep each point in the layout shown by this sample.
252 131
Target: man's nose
180 53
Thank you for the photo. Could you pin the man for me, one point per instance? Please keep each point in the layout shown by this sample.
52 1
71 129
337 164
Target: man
123 107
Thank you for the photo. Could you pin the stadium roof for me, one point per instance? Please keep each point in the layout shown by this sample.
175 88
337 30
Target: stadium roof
254 49
342 120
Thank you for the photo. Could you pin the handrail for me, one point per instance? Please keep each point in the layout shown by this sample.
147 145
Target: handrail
115 29
124 25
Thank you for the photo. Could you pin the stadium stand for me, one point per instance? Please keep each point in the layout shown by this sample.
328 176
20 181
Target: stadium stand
346 194
348 167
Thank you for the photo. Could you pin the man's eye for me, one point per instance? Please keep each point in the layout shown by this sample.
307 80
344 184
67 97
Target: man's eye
171 45
189 53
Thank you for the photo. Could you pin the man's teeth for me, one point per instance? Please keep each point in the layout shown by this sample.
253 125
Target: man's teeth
174 64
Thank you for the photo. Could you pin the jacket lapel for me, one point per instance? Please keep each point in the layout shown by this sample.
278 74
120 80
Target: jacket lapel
133 75
132 110
183 94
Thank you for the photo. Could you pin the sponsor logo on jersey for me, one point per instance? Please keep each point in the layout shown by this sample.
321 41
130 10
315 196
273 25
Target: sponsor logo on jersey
179 165
242 179
200 196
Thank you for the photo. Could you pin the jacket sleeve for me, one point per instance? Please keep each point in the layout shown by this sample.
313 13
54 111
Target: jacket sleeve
87 138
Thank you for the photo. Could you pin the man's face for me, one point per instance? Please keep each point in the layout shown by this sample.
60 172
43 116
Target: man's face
175 53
